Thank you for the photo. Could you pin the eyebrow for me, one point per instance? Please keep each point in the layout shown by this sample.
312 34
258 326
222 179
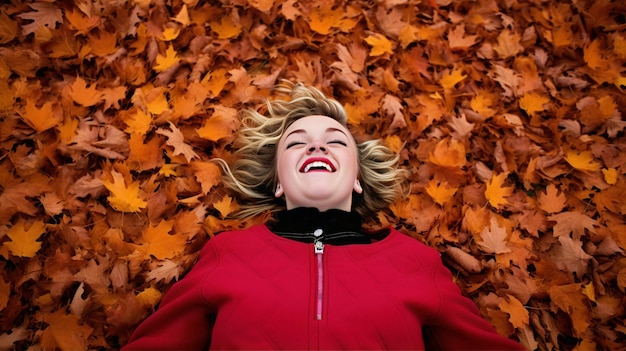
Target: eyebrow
331 129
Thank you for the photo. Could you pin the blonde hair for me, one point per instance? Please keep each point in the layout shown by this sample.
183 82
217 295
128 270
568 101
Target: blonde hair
253 175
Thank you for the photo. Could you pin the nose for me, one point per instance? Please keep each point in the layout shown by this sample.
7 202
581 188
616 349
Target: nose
316 146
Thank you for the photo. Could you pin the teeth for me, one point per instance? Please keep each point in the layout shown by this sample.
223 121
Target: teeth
317 164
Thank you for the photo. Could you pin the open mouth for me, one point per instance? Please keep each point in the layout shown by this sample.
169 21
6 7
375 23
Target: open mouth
317 165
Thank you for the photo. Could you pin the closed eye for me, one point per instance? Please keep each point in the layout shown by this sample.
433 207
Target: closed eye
294 143
340 142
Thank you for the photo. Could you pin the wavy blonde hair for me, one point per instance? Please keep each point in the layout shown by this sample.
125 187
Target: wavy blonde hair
253 175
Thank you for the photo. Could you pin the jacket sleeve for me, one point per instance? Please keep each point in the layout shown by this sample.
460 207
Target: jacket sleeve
458 324
183 320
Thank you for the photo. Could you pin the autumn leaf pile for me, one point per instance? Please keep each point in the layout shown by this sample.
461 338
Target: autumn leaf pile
507 113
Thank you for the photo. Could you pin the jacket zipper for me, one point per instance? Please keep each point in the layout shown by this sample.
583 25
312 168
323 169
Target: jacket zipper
319 253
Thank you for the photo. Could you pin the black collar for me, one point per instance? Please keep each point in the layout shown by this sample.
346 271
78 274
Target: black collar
337 227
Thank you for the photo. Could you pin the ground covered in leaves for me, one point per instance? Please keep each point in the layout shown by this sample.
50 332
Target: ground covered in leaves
507 113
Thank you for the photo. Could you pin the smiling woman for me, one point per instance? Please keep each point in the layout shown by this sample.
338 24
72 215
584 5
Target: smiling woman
312 277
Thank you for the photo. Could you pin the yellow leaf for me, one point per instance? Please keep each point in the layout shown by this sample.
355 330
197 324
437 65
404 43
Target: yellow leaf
408 35
518 314
582 160
24 241
215 81
450 79
496 192
380 45
160 244
533 102
137 121
226 28
440 192
123 198
226 206
324 18
183 16
150 296
610 175
167 61
593 55
170 33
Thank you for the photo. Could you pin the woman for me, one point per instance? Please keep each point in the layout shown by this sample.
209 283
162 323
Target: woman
313 278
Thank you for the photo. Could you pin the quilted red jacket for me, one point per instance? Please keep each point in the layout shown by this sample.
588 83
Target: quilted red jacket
255 290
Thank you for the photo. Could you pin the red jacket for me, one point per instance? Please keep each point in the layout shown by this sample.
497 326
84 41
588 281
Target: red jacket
255 290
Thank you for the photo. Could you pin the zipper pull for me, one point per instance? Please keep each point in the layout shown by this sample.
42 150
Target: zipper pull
318 244
319 247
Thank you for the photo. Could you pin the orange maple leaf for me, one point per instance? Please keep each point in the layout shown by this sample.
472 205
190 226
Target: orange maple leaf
83 95
380 44
124 198
324 18
24 239
225 206
518 314
159 243
450 79
533 103
495 192
44 118
552 201
208 174
440 191
458 40
448 153
64 332
176 139
226 27
222 124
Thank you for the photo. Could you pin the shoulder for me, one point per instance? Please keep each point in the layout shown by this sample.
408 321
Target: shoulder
224 240
405 244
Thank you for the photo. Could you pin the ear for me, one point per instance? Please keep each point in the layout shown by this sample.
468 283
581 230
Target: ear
279 191
357 186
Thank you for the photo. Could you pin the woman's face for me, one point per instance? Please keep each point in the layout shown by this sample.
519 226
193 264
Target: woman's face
317 164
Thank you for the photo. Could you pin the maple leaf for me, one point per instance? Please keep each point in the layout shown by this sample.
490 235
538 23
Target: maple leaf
176 139
83 95
572 222
225 206
458 40
95 274
533 103
448 153
164 62
582 160
124 198
569 298
450 79
508 44
495 192
380 44
518 314
44 118
494 238
64 332
552 201
324 18
227 27
208 174
440 191
393 107
222 123
9 28
159 243
164 271
24 238
45 14
570 256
